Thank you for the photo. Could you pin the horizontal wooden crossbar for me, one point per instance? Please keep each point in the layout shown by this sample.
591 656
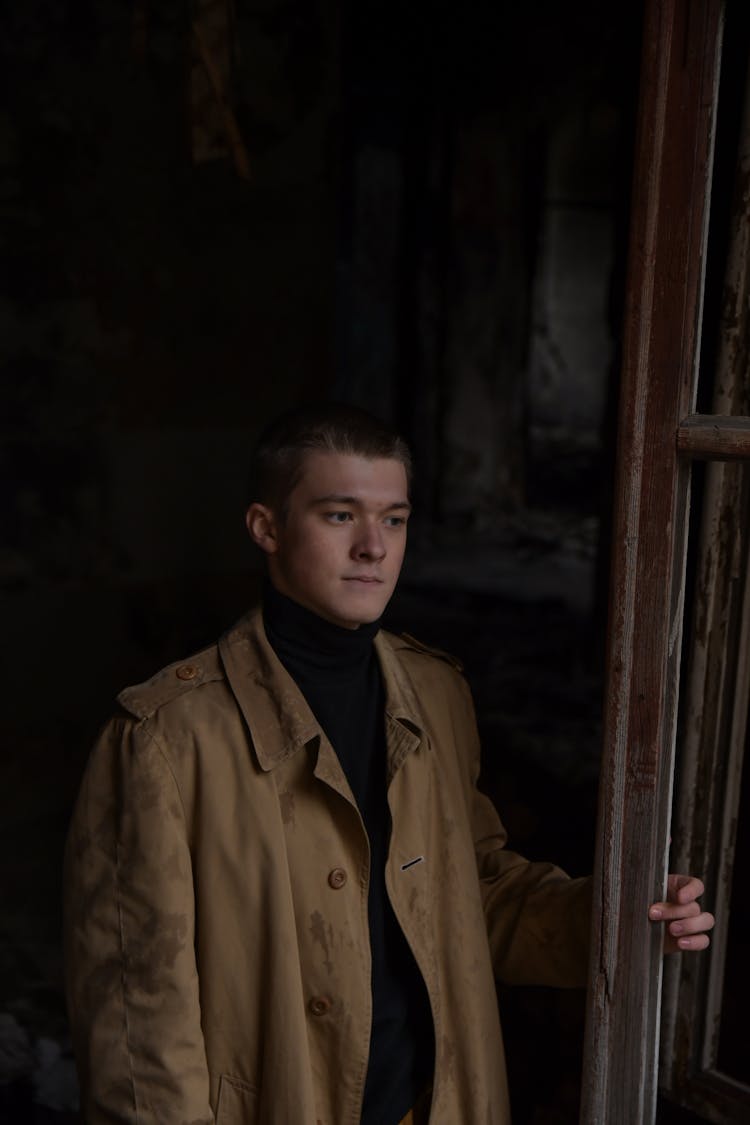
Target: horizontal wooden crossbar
714 437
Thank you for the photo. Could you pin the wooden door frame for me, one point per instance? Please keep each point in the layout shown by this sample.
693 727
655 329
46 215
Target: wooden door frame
661 344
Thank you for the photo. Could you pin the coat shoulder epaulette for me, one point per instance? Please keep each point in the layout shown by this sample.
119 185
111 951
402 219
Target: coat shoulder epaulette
419 646
143 700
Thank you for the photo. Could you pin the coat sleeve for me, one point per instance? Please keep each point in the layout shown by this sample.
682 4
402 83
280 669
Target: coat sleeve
131 978
538 918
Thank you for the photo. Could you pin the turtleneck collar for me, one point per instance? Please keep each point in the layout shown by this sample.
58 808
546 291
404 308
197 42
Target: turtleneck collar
292 629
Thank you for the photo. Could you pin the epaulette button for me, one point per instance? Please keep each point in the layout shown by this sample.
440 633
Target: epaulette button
187 671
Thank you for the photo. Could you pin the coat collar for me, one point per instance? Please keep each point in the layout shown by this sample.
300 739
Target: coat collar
280 720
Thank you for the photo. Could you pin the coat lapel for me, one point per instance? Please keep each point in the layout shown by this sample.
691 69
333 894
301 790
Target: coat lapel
279 718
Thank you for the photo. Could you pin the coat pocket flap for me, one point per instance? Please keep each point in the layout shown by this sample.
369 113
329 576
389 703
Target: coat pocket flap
237 1103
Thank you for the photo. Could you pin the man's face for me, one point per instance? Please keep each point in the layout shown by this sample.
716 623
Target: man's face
339 549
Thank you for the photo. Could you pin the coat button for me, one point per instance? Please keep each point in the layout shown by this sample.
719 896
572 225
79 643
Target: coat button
337 878
187 672
320 1005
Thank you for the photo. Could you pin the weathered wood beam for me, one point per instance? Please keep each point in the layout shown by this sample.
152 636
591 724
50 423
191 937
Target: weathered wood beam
661 337
712 437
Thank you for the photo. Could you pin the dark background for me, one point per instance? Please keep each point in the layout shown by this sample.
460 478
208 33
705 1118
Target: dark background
434 227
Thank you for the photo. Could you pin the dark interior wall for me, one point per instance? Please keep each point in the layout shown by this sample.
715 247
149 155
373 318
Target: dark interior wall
485 187
433 227
155 312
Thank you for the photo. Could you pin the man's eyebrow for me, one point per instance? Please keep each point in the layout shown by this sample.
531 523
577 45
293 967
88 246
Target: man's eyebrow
339 498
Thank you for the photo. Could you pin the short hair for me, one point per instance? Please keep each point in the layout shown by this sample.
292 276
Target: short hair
330 427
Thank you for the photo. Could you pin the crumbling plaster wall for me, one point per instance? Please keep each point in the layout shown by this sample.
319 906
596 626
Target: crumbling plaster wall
491 159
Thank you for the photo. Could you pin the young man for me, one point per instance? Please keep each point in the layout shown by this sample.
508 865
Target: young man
287 901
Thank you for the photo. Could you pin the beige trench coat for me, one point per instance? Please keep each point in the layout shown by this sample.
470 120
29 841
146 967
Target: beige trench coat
217 944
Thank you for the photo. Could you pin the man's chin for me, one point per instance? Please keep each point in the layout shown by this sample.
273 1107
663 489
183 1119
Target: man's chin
360 619
365 612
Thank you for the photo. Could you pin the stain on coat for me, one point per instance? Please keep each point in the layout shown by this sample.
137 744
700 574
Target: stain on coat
161 940
318 931
286 804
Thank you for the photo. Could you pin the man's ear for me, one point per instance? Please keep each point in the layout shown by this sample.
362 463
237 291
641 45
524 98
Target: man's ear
262 528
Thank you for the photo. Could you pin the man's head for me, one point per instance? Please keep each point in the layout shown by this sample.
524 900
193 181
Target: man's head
329 428
329 507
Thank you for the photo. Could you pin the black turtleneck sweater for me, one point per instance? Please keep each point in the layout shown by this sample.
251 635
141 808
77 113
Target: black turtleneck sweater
337 671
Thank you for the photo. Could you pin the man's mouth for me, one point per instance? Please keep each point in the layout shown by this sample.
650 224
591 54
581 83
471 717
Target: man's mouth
366 578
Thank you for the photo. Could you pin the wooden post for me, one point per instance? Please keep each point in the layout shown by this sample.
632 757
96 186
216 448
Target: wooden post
661 337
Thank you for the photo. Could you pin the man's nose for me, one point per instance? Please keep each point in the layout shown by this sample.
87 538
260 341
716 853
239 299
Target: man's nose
369 544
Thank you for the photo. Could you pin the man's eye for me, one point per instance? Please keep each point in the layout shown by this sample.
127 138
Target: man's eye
395 521
339 517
